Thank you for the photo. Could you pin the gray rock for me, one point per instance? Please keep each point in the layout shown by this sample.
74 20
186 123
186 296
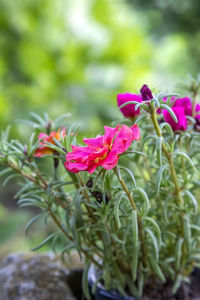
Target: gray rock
34 277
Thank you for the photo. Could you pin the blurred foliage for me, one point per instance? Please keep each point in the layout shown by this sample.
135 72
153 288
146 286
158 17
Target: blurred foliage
66 56
172 20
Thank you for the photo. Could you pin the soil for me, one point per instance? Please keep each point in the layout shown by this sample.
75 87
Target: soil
186 291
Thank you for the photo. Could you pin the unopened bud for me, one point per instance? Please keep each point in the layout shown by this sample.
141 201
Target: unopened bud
146 93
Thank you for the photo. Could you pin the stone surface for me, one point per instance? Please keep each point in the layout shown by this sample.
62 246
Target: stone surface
36 277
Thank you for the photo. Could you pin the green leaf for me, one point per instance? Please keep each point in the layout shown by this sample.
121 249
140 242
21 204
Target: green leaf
154 242
101 171
5 134
162 96
85 286
116 239
66 249
177 284
45 241
192 199
195 227
151 137
172 114
156 101
56 148
132 287
32 221
140 283
184 155
5 171
178 253
75 234
134 262
168 128
157 269
140 118
159 176
134 220
129 102
145 197
9 178
187 233
156 228
37 118
159 150
116 212
58 121
131 175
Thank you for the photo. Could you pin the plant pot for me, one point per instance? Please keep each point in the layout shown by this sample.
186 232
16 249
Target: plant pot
101 293
186 291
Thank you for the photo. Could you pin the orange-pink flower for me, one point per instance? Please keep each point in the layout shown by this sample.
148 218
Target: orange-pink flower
44 139
103 150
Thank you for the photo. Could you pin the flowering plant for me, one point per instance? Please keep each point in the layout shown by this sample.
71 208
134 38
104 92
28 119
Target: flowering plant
128 200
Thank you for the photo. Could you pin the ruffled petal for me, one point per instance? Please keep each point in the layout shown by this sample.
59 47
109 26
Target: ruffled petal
136 132
110 161
94 143
110 133
123 140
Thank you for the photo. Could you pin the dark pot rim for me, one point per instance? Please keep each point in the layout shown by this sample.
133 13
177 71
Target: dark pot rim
101 292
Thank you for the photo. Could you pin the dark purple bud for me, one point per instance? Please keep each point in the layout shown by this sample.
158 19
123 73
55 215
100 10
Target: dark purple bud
146 93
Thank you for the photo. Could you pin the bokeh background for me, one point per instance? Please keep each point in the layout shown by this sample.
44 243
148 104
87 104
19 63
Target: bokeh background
74 56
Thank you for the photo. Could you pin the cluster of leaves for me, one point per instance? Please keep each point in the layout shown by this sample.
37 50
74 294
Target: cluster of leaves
137 223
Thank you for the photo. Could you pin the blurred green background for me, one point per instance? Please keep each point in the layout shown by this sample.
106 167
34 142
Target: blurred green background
74 56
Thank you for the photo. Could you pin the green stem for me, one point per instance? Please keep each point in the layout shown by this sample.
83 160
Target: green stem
82 184
168 155
140 227
57 222
43 184
195 98
169 158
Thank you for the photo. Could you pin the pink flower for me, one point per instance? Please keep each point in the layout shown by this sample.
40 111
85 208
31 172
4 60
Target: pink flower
179 111
184 102
197 109
129 110
43 146
103 150
182 107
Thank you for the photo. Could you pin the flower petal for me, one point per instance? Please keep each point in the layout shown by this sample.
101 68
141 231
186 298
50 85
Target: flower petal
186 103
110 133
181 117
94 143
129 110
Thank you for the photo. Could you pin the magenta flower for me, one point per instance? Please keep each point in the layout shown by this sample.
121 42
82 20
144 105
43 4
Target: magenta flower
146 93
103 150
197 109
179 111
184 102
129 110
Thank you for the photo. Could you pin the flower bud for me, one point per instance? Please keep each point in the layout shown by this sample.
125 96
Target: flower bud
146 93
